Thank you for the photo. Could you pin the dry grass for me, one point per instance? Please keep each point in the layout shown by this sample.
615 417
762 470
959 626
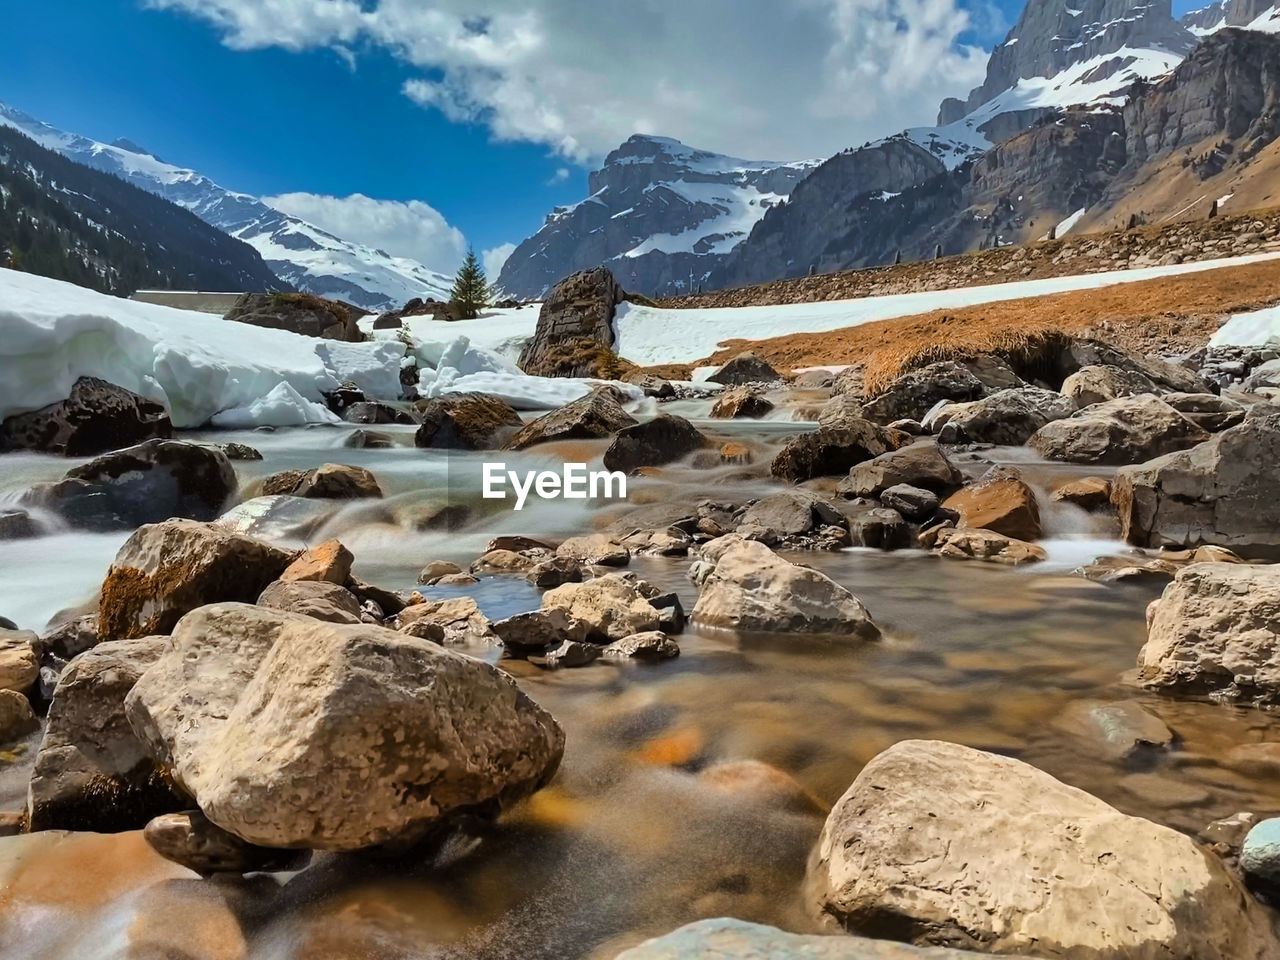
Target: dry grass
1145 315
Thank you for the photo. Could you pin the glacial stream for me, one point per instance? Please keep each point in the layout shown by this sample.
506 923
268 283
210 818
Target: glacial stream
632 839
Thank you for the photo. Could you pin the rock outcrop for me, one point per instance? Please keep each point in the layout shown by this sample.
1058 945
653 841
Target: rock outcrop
401 735
303 313
1122 431
935 843
574 336
96 417
1223 492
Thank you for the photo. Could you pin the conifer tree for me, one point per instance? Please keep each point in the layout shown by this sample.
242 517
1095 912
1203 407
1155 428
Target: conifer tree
471 288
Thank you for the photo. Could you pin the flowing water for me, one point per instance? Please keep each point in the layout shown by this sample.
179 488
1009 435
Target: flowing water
631 838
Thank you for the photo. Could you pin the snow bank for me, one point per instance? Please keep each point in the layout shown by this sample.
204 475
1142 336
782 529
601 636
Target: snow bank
652 335
197 365
282 407
1249 329
503 331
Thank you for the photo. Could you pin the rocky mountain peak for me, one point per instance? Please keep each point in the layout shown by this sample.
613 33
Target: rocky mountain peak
1095 48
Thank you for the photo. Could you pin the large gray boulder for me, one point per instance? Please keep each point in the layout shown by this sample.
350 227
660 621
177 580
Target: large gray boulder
97 416
1122 431
832 450
147 483
936 843
1224 492
1007 417
292 732
725 938
574 336
1098 384
1215 632
923 464
598 414
911 395
653 443
167 569
753 590
91 772
606 608
745 368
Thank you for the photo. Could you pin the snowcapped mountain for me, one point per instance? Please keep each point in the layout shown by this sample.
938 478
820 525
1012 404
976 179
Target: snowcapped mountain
659 213
1259 15
298 252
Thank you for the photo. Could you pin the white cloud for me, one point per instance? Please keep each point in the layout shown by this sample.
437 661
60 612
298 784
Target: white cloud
560 176
414 229
494 258
756 78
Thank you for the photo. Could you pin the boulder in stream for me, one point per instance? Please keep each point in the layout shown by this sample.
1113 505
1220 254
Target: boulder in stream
655 442
97 417
402 736
832 450
466 421
598 414
329 481
1001 501
1122 431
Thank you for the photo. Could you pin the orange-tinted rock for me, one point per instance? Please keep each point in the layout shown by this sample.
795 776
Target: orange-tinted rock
999 501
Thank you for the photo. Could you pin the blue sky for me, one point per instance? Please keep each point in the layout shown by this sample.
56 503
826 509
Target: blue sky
502 116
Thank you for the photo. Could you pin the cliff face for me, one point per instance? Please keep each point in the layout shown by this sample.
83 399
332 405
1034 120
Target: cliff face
822 222
1052 36
1228 89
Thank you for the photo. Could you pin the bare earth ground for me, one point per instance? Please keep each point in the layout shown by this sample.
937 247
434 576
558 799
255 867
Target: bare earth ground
1167 316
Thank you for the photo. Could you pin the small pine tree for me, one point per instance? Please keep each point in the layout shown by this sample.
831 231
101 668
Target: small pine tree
471 288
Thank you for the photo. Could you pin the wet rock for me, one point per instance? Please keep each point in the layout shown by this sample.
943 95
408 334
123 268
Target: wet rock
598 414
651 384
1098 384
92 772
650 645
729 939
95 418
388 601
517 543
1006 417
17 719
330 562
238 451
740 402
1260 854
922 464
466 421
1087 493
459 618
375 412
612 607
570 653
670 612
1225 491
153 481
537 631
1207 410
277 517
753 590
938 841
554 572
839 410
1120 731
70 637
19 661
1123 431
1128 568
574 336
1215 632
1229 832
329 481
653 443
999 501
671 542
167 569
912 502
312 598
303 313
831 451
595 548
913 394
743 369
17 525
509 561
778 516
402 735
436 569
368 440
980 544
878 527
190 839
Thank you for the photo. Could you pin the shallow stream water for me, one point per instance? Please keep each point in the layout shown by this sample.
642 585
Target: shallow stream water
629 840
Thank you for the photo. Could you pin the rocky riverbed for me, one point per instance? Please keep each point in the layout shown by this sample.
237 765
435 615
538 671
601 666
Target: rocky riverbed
842 665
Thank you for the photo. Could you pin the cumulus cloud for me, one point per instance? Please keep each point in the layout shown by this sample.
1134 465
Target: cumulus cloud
414 229
494 258
755 78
